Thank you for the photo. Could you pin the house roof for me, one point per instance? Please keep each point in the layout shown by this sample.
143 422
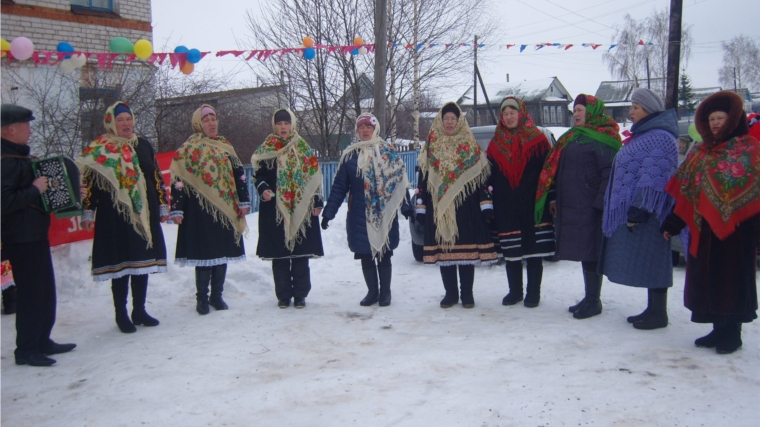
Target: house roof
545 89
213 96
620 91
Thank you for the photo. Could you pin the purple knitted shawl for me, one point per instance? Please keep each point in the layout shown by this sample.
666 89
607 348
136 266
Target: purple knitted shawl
641 170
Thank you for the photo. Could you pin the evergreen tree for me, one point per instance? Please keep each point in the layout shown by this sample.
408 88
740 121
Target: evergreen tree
686 94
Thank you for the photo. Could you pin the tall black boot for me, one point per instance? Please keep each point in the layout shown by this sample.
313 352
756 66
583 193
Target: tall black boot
449 277
515 282
120 290
730 340
710 340
592 304
467 280
218 274
9 300
657 316
535 274
636 318
370 278
385 271
202 279
139 295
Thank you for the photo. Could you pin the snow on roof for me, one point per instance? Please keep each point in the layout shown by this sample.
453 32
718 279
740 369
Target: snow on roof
527 90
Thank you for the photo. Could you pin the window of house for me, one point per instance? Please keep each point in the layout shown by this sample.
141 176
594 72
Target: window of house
547 116
553 112
101 5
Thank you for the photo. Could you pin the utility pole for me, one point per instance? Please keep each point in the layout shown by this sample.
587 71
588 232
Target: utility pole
648 84
734 79
381 59
674 54
391 64
475 86
416 82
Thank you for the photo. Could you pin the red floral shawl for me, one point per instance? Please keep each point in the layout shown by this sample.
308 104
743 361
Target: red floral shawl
512 148
719 184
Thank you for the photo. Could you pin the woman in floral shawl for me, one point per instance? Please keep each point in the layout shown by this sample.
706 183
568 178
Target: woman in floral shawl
209 202
450 197
374 176
125 195
717 192
289 182
517 152
574 181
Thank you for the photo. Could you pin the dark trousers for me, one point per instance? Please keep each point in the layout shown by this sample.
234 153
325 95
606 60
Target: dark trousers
35 306
370 268
466 276
292 278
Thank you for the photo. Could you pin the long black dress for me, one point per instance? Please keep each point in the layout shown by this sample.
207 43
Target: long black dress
202 241
117 249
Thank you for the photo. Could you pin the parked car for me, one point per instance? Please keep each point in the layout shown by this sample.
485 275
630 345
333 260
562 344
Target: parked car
483 135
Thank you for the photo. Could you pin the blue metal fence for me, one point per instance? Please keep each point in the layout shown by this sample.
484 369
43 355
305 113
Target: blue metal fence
328 175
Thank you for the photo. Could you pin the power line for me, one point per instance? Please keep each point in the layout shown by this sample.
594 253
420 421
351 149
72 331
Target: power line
557 18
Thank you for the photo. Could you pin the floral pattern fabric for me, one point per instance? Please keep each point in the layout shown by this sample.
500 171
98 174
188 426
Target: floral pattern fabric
721 185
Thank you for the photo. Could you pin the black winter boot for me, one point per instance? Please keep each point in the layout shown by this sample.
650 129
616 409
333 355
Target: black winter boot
535 274
467 280
120 290
730 340
370 278
202 279
657 315
643 314
9 300
515 282
385 272
710 340
218 274
574 308
139 295
449 276
592 304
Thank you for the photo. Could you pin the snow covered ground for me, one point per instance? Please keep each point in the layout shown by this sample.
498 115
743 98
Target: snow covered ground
335 363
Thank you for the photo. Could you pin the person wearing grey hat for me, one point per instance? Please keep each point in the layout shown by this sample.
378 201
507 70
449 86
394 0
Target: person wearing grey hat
648 100
25 242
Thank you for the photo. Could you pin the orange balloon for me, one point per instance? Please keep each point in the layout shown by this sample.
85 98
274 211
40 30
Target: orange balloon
188 68
308 42
358 41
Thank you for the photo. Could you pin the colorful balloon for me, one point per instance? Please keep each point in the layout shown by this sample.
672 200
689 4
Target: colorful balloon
188 68
143 49
67 66
4 46
78 60
693 133
180 49
358 41
65 47
121 45
308 42
355 51
22 48
194 56
309 53
362 50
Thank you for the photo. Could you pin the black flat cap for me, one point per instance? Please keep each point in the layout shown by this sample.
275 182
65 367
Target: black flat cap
12 113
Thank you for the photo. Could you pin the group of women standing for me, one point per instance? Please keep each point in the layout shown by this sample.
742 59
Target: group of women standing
610 204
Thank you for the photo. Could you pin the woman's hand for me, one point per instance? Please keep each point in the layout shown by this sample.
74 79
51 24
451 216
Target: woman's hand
243 212
267 195
87 225
82 191
666 235
177 220
164 219
553 208
316 211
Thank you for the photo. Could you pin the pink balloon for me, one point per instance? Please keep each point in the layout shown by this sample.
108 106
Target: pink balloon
22 48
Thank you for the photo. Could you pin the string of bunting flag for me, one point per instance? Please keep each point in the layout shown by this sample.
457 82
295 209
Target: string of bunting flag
68 58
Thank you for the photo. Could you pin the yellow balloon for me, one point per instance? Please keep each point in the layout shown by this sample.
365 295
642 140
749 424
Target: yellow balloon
188 68
143 49
5 46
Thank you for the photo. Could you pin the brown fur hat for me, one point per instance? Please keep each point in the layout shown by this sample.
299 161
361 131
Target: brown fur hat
731 104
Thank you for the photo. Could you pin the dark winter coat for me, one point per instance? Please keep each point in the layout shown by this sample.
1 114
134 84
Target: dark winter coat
23 219
202 241
271 234
347 182
582 178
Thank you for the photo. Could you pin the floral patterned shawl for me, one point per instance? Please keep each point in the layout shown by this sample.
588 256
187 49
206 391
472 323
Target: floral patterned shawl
385 185
512 148
455 167
113 163
598 126
205 166
299 179
720 184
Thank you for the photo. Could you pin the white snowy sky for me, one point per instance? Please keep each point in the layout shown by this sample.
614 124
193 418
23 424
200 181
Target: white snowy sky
214 26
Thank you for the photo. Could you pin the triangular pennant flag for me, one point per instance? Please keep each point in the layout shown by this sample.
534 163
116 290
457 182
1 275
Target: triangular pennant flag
594 46
162 58
152 59
174 59
509 45
419 47
59 57
408 46
130 57
102 57
36 58
568 46
522 47
539 46
611 47
332 49
641 42
251 55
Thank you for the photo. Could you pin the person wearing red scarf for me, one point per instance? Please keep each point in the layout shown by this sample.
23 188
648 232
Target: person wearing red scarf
516 153
717 193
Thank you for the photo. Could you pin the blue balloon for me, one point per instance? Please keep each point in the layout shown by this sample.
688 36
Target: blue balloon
180 49
193 56
355 51
65 47
309 53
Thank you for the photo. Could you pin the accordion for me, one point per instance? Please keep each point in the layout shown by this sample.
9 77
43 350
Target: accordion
62 196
